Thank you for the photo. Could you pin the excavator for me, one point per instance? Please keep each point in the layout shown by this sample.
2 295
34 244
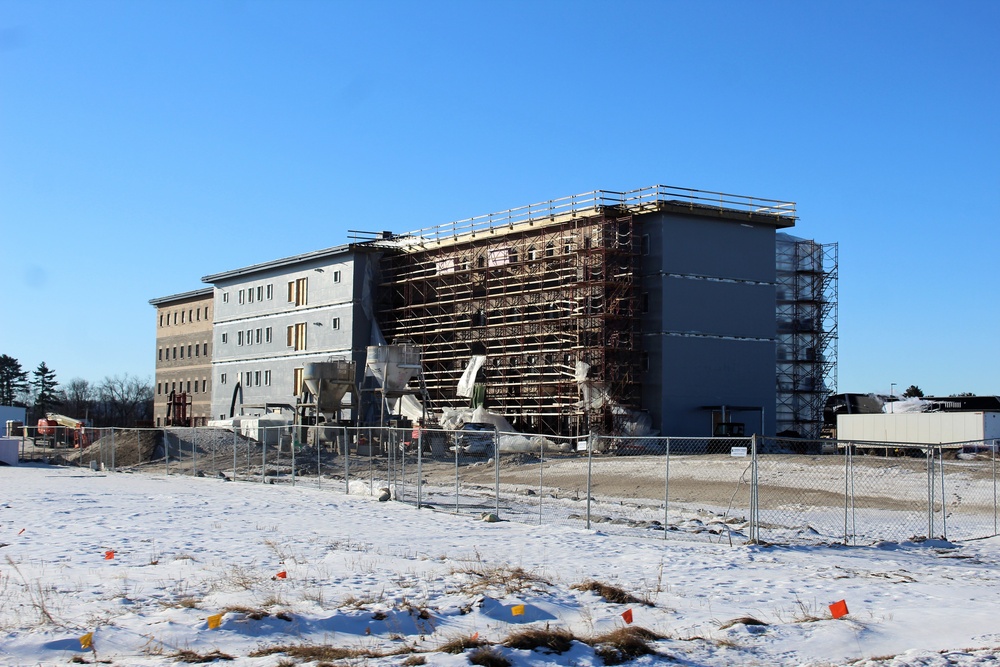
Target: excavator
74 430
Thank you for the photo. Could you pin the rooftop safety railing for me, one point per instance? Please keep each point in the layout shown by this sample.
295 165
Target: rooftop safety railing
635 201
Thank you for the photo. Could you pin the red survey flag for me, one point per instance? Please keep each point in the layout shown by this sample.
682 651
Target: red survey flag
839 609
281 575
627 615
109 555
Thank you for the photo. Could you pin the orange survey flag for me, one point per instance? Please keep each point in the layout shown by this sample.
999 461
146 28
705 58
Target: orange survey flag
87 640
214 621
839 609
517 610
281 575
109 555
627 615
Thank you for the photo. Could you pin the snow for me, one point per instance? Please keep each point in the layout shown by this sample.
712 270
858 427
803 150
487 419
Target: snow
381 578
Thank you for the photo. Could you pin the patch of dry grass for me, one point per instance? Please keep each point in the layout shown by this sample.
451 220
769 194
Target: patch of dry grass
623 644
611 593
488 657
195 657
460 644
551 640
745 620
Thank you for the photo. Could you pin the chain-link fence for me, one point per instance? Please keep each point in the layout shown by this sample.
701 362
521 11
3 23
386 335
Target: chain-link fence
732 490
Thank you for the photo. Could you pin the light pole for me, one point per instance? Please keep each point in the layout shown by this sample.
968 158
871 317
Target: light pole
892 394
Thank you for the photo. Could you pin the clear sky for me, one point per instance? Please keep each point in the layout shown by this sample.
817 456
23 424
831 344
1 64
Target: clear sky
144 145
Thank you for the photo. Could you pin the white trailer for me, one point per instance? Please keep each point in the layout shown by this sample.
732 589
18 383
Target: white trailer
926 428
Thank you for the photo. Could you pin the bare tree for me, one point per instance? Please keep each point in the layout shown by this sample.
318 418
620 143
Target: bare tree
78 398
126 400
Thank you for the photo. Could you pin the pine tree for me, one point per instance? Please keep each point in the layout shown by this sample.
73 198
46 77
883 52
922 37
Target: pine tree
913 391
44 382
13 380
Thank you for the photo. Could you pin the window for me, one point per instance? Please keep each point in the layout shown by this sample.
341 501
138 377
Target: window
336 276
260 292
175 353
239 337
175 317
256 336
225 297
267 378
198 314
159 354
182 351
222 378
203 385
197 351
267 335
206 312
250 295
158 388
256 378
335 323
173 386
270 291
204 349
296 336
189 351
190 315
189 387
249 336
242 297
298 292
182 316
161 319
297 381
248 379
225 338
196 386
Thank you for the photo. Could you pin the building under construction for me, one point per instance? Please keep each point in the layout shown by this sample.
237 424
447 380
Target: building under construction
647 310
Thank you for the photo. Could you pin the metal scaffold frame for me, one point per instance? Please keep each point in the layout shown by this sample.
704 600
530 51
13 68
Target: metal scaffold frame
807 312
536 299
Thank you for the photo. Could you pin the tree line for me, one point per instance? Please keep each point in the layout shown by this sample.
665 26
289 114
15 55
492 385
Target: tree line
119 400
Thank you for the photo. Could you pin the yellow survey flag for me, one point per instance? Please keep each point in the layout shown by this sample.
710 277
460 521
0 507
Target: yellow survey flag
214 621
87 640
517 610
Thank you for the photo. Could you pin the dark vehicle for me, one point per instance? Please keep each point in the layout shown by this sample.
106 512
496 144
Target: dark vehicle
475 439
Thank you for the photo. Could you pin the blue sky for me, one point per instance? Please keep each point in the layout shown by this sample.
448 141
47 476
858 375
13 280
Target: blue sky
146 144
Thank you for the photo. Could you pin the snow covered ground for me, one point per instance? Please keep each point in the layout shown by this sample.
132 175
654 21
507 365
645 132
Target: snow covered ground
387 584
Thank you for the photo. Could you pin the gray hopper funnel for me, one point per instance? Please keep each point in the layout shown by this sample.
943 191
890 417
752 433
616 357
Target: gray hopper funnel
328 381
394 366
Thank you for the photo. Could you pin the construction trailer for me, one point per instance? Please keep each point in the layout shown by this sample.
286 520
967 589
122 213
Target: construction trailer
617 312
929 428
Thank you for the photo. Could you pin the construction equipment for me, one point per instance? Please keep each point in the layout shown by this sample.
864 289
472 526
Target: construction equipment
72 430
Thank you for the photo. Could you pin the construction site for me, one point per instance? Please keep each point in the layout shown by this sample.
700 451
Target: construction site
548 307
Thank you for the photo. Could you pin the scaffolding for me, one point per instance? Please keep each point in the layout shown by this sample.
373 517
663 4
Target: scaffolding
807 333
542 301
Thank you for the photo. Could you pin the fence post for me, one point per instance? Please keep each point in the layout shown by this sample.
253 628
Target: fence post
847 485
194 453
496 471
234 454
929 465
944 498
590 472
347 462
666 489
420 466
754 499
455 441
541 472
319 460
292 446
263 462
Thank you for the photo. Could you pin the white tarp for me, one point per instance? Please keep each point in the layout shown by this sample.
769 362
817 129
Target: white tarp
469 376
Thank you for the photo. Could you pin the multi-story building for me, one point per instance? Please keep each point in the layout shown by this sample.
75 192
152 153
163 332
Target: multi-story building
273 318
183 358
661 309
